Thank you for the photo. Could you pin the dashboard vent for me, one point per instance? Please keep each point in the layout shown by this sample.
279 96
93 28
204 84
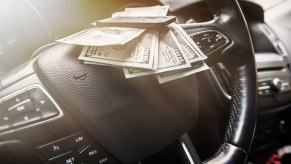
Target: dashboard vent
277 44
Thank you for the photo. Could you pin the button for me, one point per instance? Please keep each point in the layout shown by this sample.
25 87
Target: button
16 99
71 143
21 107
77 141
266 92
26 118
276 84
67 158
263 83
92 155
43 103
52 150
208 40
105 160
285 86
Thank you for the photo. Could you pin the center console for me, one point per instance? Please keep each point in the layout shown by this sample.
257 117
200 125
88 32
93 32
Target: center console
274 81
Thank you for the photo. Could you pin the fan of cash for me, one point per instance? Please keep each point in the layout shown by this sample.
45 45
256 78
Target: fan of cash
165 50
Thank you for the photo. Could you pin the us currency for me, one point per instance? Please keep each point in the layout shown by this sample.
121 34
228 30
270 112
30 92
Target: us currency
170 56
118 14
194 56
153 11
103 36
188 40
177 74
187 47
139 53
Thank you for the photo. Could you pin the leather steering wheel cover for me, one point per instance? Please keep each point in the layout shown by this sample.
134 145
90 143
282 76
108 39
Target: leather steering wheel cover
240 59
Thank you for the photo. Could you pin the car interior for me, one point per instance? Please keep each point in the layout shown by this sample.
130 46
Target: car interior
55 109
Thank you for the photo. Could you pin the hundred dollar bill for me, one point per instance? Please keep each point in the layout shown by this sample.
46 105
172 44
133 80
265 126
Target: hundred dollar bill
118 14
138 53
153 11
173 75
170 57
103 36
192 54
183 35
155 62
143 22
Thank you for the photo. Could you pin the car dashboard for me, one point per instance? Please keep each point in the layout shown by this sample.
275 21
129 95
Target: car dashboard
47 130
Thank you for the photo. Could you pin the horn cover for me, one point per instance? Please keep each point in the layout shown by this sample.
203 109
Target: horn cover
131 118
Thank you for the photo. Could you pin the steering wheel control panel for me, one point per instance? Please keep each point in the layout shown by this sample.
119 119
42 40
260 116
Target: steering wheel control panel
209 40
77 148
27 107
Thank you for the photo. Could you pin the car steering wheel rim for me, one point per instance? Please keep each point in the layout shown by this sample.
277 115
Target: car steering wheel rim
239 58
164 112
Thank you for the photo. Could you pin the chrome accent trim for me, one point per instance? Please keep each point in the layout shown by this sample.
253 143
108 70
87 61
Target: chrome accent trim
264 87
186 151
227 155
225 94
61 114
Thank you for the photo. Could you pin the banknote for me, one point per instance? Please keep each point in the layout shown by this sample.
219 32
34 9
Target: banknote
139 22
170 56
103 36
173 75
187 39
153 11
192 54
138 53
118 14
143 11
155 62
169 53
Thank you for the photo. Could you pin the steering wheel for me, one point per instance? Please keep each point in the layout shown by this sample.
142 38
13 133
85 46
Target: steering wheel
136 118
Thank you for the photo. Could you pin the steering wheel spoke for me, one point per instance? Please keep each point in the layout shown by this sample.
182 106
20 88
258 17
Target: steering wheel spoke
211 40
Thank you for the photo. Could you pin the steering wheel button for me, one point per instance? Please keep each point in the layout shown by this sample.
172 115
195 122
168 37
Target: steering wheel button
77 141
39 97
26 118
92 154
46 113
67 158
52 150
105 160
16 99
21 107
43 103
72 143
208 40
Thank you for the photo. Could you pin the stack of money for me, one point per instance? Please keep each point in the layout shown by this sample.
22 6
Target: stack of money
166 51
